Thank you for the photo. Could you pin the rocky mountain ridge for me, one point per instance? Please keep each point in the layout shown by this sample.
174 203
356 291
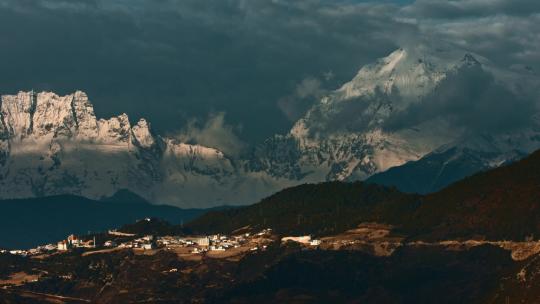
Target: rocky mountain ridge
52 144
55 145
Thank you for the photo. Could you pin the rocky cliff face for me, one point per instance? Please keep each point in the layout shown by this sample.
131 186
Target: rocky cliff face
52 144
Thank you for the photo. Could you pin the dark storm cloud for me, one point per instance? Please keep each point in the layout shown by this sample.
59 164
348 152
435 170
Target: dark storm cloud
453 9
502 30
172 60
472 99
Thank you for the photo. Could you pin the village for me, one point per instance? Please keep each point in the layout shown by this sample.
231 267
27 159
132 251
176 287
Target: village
189 247
372 238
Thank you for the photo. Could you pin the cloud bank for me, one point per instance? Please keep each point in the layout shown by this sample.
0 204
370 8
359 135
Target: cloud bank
262 62
469 99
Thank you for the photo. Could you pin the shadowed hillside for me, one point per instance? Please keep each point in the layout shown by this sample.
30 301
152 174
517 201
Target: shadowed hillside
321 209
502 203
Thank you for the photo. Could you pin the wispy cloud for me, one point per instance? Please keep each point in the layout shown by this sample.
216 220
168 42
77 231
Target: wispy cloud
214 133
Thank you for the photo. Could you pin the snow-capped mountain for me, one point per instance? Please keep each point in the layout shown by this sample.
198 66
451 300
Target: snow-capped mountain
56 145
386 116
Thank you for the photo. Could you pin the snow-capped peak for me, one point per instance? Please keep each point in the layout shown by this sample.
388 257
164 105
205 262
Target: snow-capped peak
469 60
115 129
347 129
52 144
17 113
142 134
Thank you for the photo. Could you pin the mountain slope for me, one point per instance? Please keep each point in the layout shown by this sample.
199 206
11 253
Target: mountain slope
439 169
321 209
502 203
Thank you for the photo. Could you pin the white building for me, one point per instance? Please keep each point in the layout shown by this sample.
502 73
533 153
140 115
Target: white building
306 239
148 246
126 245
315 242
202 241
49 247
73 240
63 245
109 244
217 248
198 250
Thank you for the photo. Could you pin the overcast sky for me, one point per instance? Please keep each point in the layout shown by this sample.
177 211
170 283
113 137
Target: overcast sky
245 67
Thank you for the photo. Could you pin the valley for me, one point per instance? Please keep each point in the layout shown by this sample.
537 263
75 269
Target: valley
263 152
329 242
180 270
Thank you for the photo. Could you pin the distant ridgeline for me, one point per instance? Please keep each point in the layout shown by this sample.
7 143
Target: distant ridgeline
440 169
26 223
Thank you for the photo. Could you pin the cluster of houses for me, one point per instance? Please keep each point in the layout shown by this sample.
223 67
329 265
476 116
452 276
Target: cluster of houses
197 244
216 242
34 251
73 241
70 242
147 243
220 242
202 244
